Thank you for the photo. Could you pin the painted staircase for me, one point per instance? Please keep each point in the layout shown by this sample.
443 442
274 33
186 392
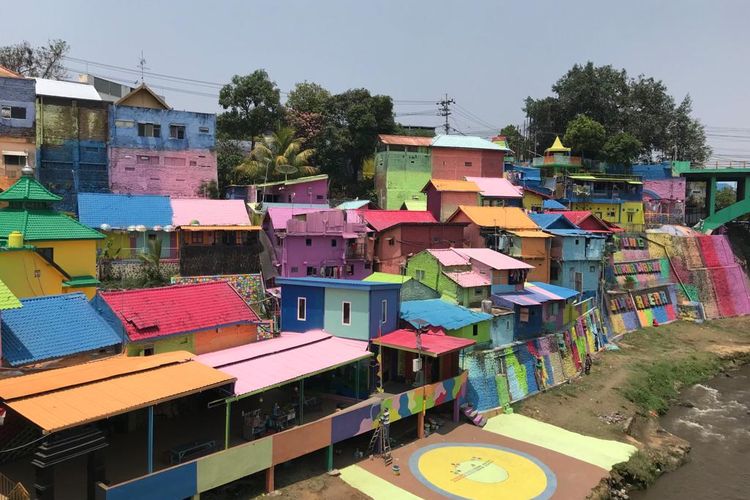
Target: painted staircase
473 415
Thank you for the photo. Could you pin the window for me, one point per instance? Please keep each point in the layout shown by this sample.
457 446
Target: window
592 269
630 216
467 164
391 242
308 242
151 237
204 130
124 124
419 274
147 160
301 309
346 313
177 131
294 269
383 311
196 238
350 269
149 130
475 329
319 197
14 112
554 272
477 291
333 243
578 241
174 161
148 351
311 271
14 160
193 163
523 315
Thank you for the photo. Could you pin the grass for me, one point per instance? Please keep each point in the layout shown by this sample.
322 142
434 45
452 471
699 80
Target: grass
640 470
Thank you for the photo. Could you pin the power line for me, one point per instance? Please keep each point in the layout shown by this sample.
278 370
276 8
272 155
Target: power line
444 110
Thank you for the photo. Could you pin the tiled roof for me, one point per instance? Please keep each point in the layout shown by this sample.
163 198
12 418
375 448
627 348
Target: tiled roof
122 210
209 212
493 259
453 186
496 187
28 189
405 140
578 217
383 219
469 279
158 312
547 220
553 205
465 142
39 225
7 299
437 312
53 326
447 257
502 217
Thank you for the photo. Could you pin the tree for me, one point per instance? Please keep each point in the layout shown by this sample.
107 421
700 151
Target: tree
686 136
308 97
229 154
45 61
724 197
209 189
621 149
253 104
151 263
515 140
586 136
278 155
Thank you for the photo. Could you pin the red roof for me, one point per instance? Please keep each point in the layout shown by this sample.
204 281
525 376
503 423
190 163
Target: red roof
586 220
405 140
383 219
432 344
157 312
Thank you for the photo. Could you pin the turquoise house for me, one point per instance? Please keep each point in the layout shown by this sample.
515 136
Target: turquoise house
451 319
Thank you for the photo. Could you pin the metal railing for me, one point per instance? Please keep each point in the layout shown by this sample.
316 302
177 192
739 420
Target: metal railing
12 490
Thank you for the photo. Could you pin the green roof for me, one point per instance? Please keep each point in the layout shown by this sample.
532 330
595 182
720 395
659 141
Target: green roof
417 205
28 189
43 224
77 281
387 278
7 299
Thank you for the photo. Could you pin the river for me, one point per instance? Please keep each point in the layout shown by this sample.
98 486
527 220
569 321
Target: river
718 428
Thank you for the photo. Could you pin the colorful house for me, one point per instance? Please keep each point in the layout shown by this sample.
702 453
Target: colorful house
445 196
61 328
351 309
577 255
198 318
534 198
400 234
460 156
17 133
439 316
43 252
510 231
155 149
539 309
411 289
312 190
664 194
556 160
402 168
467 276
587 221
71 139
497 192
329 243
614 198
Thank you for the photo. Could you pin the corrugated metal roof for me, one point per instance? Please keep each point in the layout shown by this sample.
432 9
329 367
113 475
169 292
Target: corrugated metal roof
468 279
70 90
387 278
493 259
78 405
288 358
530 234
579 217
432 344
405 140
553 205
465 142
447 257
7 299
496 187
53 326
501 217
209 212
383 219
553 291
453 186
122 210
353 204
220 228
291 182
436 312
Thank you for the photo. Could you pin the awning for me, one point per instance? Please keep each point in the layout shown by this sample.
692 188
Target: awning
220 228
291 357
68 397
15 153
530 234
432 345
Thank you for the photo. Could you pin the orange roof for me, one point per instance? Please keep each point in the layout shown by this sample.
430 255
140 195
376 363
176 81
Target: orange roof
7 73
502 217
531 234
68 397
453 185
405 140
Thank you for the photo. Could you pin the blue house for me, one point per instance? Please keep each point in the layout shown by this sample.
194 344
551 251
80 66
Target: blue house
576 254
352 309
452 319
53 327
17 133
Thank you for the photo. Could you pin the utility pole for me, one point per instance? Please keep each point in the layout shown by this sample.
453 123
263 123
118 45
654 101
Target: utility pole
142 65
444 110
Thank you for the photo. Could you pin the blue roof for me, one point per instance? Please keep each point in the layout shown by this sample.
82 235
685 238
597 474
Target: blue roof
466 142
337 283
437 312
123 210
560 291
553 205
547 220
573 232
53 326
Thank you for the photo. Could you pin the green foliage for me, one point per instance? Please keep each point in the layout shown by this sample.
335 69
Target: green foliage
725 197
209 189
278 156
253 104
515 140
229 154
640 471
585 135
308 97
45 61
151 263
621 149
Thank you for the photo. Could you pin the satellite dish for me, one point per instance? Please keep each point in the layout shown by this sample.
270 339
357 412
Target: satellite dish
169 228
140 228
131 228
157 228
286 169
105 227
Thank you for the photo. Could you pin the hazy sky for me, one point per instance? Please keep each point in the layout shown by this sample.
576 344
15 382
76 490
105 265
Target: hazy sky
487 55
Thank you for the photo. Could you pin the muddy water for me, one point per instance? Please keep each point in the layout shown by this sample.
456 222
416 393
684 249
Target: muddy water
718 428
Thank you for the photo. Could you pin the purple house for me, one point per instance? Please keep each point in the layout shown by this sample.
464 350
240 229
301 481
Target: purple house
311 242
303 190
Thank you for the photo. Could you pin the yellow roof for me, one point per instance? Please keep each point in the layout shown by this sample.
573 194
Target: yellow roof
531 234
454 185
557 147
502 217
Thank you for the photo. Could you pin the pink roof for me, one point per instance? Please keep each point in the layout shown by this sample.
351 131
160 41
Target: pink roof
383 219
496 187
469 279
405 140
432 345
279 216
495 260
209 212
448 257
292 356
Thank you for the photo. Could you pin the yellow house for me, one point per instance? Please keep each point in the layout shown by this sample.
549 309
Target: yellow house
43 252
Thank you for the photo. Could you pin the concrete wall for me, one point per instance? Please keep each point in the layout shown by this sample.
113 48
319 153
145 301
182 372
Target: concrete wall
433 277
501 329
442 204
76 257
16 134
411 239
296 254
303 192
124 122
359 327
315 308
454 163
161 345
27 274
400 176
377 326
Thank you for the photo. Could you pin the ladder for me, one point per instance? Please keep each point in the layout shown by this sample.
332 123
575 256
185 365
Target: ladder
381 438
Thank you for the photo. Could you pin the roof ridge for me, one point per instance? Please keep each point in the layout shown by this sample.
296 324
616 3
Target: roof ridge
165 287
56 296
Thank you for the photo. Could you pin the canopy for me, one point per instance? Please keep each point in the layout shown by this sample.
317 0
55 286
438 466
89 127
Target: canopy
432 345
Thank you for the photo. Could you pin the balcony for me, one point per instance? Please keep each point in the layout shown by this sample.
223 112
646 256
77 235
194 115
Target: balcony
557 161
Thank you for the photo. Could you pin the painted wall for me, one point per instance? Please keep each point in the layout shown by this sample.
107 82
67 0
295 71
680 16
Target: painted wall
359 327
177 173
315 308
442 204
76 257
303 192
626 214
296 256
433 277
248 286
501 329
455 163
482 332
400 176
27 274
392 312
201 342
532 201
123 125
393 246
129 245
16 134
589 270
161 345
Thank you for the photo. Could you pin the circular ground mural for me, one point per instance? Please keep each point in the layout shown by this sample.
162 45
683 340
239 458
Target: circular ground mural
477 471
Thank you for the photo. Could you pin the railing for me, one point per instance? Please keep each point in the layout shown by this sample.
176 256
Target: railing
132 253
557 160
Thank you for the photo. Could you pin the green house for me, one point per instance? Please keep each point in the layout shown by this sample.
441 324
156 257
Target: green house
402 168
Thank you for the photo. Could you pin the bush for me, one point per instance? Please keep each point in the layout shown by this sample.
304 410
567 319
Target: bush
639 472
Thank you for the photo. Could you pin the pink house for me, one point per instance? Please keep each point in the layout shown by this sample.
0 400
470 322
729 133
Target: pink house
445 196
497 192
303 190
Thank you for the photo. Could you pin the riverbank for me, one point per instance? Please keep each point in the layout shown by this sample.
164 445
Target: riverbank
629 388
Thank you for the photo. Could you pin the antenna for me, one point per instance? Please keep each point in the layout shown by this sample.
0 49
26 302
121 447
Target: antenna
444 110
142 65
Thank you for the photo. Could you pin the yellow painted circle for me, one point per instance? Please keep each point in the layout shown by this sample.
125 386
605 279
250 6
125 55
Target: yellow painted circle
482 472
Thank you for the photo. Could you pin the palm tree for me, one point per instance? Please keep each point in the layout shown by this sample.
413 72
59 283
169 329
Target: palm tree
151 263
280 150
